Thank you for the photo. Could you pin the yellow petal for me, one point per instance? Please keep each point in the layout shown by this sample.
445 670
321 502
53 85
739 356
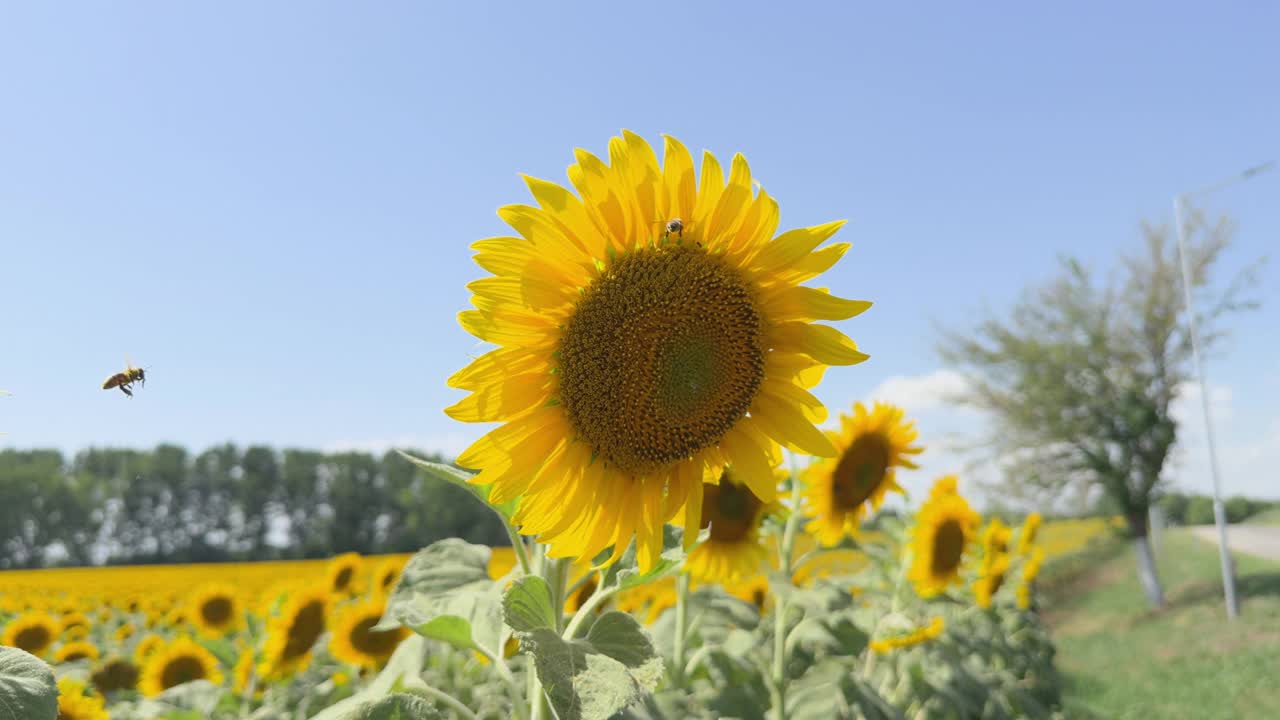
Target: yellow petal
678 177
500 400
820 342
804 303
791 246
750 464
785 423
569 211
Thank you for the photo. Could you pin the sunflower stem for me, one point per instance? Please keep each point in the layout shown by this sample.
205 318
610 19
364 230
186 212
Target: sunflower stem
517 544
420 687
778 687
598 598
682 619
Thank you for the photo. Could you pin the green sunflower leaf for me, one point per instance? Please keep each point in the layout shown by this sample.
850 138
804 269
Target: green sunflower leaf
527 605
445 593
398 706
461 478
595 677
27 687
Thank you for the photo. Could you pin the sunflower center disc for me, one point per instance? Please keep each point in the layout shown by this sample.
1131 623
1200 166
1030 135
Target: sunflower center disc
216 611
663 354
948 546
304 630
32 637
181 670
373 642
860 471
729 510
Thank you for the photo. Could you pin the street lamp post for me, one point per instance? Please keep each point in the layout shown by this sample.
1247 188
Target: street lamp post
1219 512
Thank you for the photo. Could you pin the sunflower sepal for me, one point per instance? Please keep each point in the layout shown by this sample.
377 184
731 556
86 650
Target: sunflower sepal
445 593
26 684
462 478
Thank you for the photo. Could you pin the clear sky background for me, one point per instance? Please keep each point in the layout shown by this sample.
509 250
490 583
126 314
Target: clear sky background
268 205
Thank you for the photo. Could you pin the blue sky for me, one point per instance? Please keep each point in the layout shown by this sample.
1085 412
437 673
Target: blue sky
268 205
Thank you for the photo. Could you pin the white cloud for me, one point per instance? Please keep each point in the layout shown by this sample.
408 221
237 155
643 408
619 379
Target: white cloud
921 393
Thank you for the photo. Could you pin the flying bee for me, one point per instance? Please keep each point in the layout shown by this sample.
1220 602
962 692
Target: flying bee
674 225
124 380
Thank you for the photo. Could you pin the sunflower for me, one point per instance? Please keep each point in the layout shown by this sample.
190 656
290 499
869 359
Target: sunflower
995 562
841 490
734 551
124 632
1027 535
215 610
33 632
1030 570
944 527
75 625
149 645
647 330
915 637
73 704
116 673
79 650
387 574
181 661
754 591
294 630
356 642
344 571
649 600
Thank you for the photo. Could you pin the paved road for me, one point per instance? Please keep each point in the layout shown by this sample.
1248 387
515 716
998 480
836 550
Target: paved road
1260 540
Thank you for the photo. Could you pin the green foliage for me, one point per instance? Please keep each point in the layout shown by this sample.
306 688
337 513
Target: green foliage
27 688
1199 511
527 606
167 505
445 593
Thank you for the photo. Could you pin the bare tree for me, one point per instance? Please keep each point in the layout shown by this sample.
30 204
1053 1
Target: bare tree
1081 377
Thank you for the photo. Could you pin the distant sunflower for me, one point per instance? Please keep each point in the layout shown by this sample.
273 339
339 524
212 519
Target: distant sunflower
944 528
215 610
734 551
1027 535
74 704
343 573
117 673
75 625
294 631
842 490
356 642
649 600
920 635
754 591
33 632
388 573
79 650
995 562
244 674
1030 570
181 661
148 646
124 632
648 328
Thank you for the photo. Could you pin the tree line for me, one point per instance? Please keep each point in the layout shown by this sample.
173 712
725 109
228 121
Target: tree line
117 506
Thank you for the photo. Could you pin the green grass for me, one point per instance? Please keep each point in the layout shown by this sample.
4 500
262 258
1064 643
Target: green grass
1121 660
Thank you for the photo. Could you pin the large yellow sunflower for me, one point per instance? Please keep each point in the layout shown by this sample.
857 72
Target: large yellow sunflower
648 328
294 630
943 529
181 661
74 704
215 610
840 490
355 641
33 632
734 551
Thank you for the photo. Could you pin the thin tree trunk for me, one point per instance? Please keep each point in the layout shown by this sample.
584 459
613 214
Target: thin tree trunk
1147 571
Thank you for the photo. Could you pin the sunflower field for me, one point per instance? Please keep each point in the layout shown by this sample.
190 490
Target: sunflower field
687 541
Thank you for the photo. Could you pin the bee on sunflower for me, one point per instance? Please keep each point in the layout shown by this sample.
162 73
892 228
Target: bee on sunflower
355 641
650 329
840 491
944 528
181 661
